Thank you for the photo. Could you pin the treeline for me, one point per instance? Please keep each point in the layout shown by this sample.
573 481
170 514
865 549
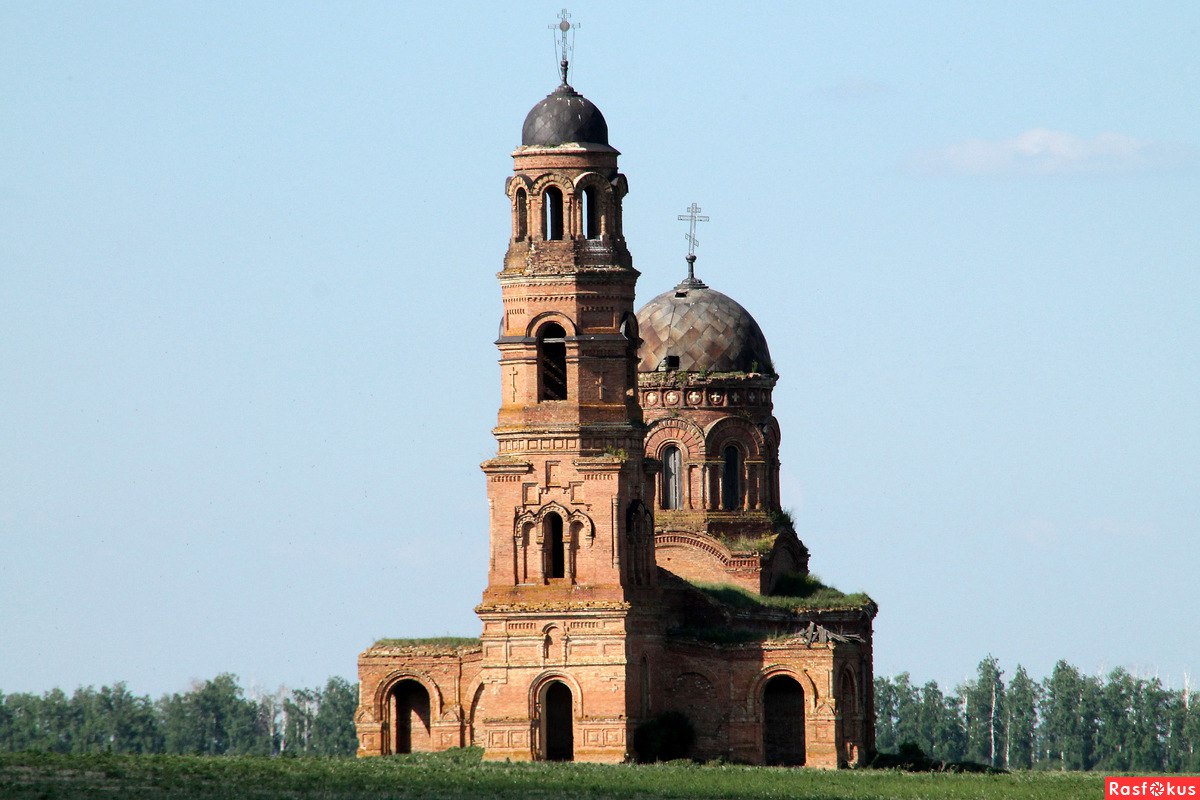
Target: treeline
215 718
1068 721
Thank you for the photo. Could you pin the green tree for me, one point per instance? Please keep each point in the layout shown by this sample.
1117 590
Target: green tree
181 735
1189 749
270 716
89 726
986 714
908 710
939 723
24 716
1022 720
299 716
5 725
130 723
954 729
56 726
885 715
1069 718
214 719
1115 721
333 729
1151 720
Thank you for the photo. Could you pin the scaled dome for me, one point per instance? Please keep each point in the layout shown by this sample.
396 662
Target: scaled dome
565 116
705 330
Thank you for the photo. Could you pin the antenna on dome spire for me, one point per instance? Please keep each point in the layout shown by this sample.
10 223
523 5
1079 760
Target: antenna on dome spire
564 41
692 217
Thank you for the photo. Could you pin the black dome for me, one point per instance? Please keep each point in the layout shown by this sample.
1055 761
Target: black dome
693 328
564 116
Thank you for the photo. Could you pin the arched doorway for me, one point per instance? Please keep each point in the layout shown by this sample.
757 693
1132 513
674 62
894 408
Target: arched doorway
407 709
558 722
783 722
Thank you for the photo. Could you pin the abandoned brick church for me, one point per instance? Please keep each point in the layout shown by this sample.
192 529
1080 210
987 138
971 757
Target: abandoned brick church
640 562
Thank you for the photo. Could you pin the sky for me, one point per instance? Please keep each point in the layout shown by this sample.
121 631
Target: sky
248 305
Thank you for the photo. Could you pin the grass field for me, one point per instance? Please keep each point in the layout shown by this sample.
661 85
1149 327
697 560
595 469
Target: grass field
461 775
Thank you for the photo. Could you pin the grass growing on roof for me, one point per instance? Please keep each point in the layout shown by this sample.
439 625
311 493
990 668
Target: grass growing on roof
447 642
805 592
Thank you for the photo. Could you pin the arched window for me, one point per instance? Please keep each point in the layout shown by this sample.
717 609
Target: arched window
672 478
552 214
591 213
731 479
556 555
522 214
552 362
849 696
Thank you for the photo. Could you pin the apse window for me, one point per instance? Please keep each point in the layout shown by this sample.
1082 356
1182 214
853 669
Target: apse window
672 478
731 479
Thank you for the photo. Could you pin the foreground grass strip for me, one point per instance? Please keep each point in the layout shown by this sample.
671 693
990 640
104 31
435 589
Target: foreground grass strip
458 775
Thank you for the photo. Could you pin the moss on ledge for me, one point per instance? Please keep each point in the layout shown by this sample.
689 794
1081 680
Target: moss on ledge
430 643
743 544
794 593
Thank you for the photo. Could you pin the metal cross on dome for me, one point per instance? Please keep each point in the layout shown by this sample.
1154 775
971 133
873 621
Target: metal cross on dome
693 216
564 45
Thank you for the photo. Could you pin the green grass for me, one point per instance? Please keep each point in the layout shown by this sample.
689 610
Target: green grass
796 592
459 774
431 642
759 544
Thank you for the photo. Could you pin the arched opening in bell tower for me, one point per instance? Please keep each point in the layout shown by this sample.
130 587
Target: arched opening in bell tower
522 222
552 362
556 555
552 214
591 213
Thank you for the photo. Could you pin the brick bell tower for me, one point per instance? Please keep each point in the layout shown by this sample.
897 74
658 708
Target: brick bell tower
571 534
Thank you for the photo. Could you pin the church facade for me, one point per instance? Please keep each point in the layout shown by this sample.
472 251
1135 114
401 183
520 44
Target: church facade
641 570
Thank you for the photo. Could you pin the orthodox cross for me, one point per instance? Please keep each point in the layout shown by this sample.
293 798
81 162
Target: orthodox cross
692 217
600 387
513 375
564 45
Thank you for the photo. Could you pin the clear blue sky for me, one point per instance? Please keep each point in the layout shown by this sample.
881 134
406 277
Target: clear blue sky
248 300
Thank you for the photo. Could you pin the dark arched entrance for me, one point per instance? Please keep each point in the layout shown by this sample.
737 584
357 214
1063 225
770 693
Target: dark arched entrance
783 722
407 709
558 716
